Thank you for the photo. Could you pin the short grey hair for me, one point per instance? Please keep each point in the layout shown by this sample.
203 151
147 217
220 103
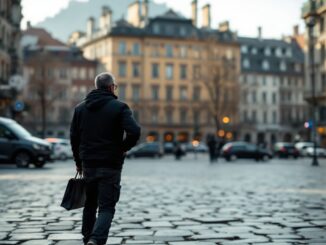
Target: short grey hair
104 80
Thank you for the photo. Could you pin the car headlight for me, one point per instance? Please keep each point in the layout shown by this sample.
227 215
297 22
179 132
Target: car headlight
36 146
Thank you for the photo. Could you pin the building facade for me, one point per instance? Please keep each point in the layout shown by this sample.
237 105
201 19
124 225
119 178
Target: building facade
10 58
272 90
319 65
58 78
164 68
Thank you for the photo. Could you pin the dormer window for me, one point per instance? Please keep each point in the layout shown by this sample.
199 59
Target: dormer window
156 29
267 51
289 52
254 51
283 66
246 63
244 49
265 65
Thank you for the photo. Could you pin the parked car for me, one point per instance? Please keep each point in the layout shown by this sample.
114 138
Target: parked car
320 152
18 146
302 147
153 149
285 150
200 148
168 147
61 149
234 150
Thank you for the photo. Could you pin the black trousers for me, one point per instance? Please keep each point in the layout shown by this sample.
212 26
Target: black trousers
102 194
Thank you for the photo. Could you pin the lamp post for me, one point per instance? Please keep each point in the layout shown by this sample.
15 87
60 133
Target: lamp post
311 22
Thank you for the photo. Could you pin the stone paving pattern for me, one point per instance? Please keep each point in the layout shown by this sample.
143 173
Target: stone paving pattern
177 203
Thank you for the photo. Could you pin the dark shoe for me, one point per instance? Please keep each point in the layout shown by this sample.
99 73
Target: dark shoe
91 242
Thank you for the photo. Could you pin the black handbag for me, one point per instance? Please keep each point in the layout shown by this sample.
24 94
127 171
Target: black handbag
75 194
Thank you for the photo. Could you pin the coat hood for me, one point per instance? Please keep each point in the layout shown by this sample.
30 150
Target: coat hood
98 98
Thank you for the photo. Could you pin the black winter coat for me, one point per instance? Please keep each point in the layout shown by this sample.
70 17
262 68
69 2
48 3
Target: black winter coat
97 130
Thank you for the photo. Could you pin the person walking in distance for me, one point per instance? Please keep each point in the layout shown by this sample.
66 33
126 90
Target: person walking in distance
97 128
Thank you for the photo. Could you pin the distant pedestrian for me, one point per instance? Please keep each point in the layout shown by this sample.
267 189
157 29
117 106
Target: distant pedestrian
99 149
178 151
211 143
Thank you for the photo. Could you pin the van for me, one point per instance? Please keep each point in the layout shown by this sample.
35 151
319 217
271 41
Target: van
18 146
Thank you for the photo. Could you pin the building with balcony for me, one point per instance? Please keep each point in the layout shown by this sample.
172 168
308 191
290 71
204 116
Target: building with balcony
162 64
10 58
272 81
57 79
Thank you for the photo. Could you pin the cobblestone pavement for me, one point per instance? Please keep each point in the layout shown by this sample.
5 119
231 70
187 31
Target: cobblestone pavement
176 203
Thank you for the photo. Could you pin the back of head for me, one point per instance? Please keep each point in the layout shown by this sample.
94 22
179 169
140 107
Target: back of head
104 80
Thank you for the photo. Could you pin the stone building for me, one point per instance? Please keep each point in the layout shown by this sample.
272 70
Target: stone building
272 81
163 65
58 78
320 66
10 59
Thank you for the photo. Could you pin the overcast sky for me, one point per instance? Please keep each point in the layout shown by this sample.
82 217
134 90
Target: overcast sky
277 17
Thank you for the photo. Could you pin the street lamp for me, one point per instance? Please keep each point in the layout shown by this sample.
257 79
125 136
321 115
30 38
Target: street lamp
311 22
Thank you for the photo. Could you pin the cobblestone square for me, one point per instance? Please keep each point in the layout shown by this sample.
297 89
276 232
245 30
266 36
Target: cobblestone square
185 202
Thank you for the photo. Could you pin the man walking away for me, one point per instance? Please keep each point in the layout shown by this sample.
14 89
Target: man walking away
96 134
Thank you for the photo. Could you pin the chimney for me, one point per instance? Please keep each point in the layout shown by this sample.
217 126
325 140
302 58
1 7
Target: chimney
134 13
144 13
224 26
194 6
296 30
90 26
260 33
206 11
106 18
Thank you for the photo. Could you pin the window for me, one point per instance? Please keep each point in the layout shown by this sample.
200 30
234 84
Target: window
323 82
136 49
135 69
155 50
265 117
4 132
254 98
122 68
321 25
264 97
196 93
254 116
155 70
322 53
168 50
156 29
245 116
196 114
183 116
283 66
267 51
122 91
63 73
254 50
154 115
169 116
135 92
244 49
246 63
265 65
274 98
169 93
183 71
196 72
183 93
183 51
155 92
122 48
169 71
274 117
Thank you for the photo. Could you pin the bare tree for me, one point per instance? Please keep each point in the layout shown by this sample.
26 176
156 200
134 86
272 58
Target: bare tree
221 79
44 88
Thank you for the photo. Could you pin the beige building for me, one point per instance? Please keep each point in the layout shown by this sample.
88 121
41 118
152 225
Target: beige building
163 65
10 60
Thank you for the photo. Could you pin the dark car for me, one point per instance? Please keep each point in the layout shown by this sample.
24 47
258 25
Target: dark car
152 149
18 146
235 150
285 150
168 148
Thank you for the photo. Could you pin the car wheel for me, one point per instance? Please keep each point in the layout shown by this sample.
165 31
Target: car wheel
63 157
39 164
233 157
22 159
265 158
